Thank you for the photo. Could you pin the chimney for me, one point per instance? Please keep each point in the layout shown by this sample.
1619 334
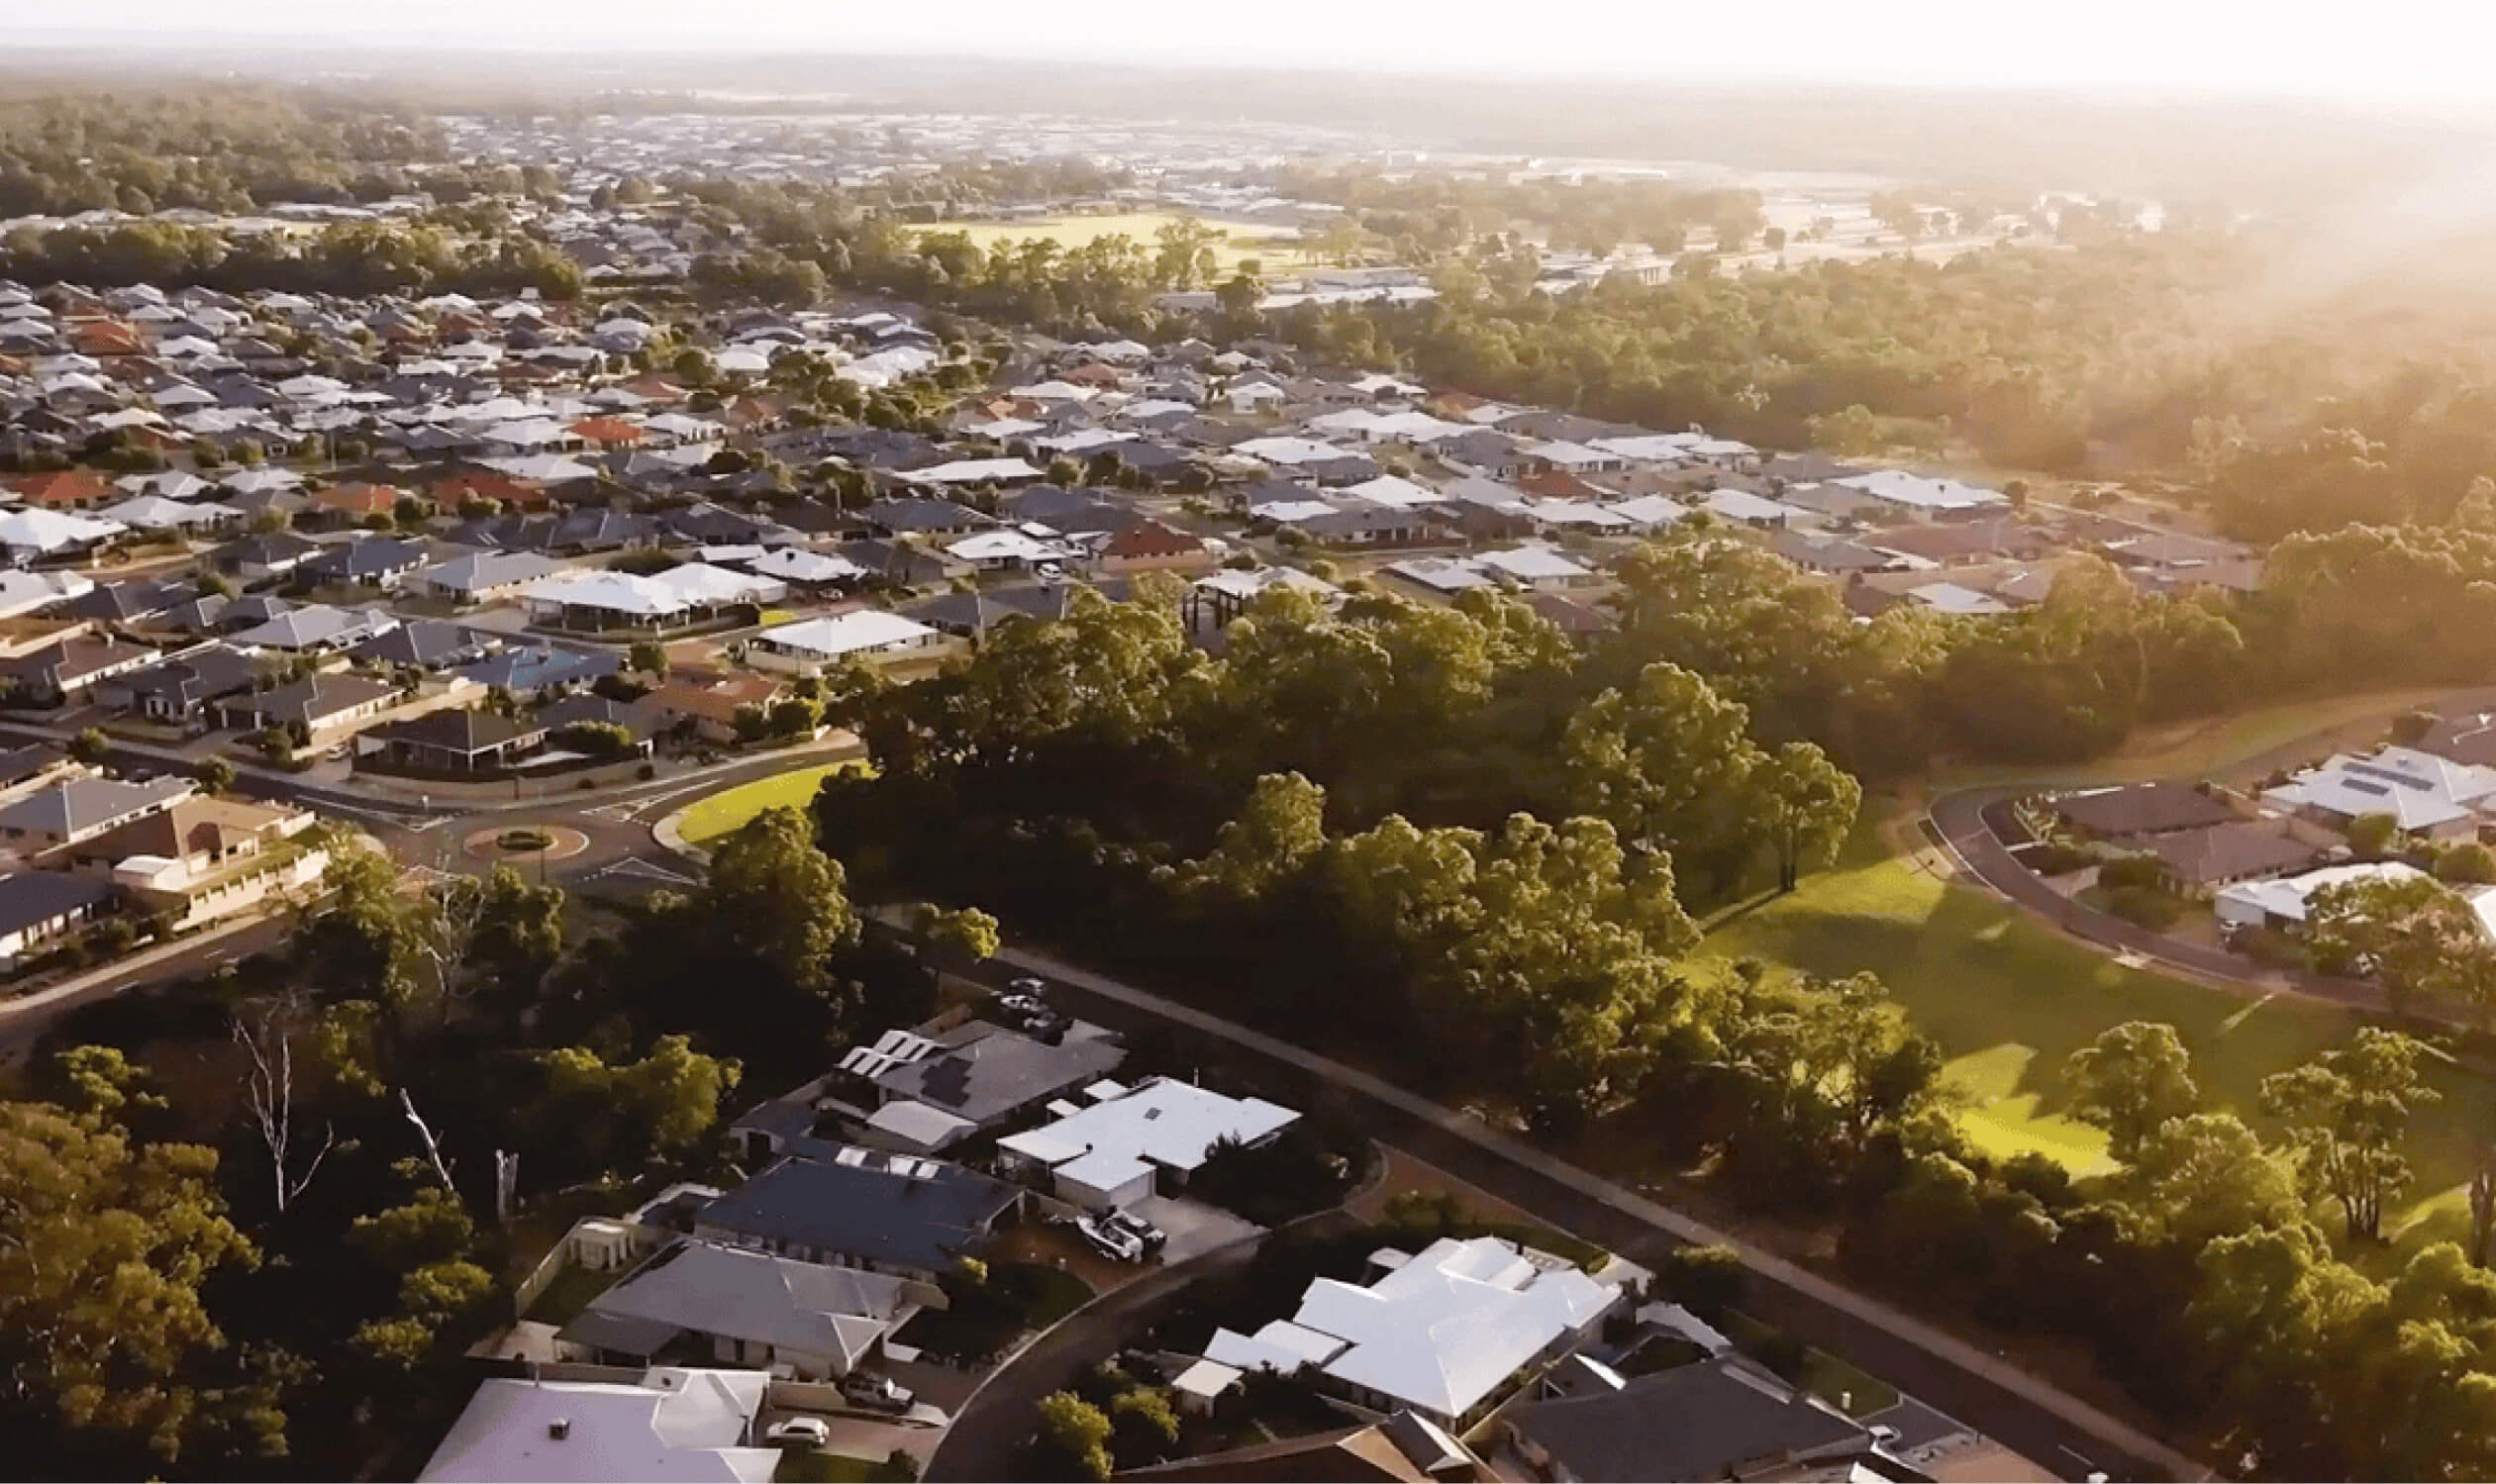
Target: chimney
559 1429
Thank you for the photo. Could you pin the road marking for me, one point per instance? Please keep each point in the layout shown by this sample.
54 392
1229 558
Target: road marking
636 867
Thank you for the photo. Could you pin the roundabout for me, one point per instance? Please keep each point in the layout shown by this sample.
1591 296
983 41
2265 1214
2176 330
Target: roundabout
525 843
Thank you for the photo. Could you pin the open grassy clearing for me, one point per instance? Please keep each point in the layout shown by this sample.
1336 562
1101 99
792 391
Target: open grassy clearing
1274 247
2202 748
725 813
2009 998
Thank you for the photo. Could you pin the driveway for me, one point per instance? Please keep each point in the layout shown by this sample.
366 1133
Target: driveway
1192 1227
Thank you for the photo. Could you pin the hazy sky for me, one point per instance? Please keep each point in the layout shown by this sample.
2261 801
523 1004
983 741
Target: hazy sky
2416 49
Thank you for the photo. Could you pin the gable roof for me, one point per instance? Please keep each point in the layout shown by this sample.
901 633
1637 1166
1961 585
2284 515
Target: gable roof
707 1288
999 1070
29 899
891 1211
2142 809
1712 1420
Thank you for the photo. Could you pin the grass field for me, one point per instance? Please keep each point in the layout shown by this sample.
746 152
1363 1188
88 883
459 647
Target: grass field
1272 246
2009 998
725 813
2206 747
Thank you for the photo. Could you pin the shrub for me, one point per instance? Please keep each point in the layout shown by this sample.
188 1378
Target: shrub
2143 907
2132 872
2468 864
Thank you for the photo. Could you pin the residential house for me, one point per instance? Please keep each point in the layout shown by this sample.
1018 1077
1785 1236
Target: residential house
2129 810
810 646
380 562
315 708
986 1075
706 701
82 808
178 691
201 858
909 515
256 558
1400 1449
1537 567
844 1206
484 578
1135 1143
803 1319
2280 904
316 629
451 741
42 907
671 1424
1722 1418
65 670
2197 861
2425 795
1443 1332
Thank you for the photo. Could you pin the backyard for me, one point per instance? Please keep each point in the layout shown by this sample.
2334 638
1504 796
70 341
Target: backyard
725 813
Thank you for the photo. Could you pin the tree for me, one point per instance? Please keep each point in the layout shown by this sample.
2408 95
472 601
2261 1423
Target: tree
1669 763
968 936
216 777
1077 1432
277 745
1144 1414
90 747
2130 1081
2417 934
649 656
659 1104
105 1244
1807 804
269 1098
773 899
2204 1176
1278 830
2348 1112
2372 836
2468 864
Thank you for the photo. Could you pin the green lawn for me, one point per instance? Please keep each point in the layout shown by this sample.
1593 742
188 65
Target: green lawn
563 1300
2007 999
810 1466
727 813
2207 748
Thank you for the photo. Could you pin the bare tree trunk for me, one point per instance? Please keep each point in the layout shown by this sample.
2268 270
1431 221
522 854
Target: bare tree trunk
270 1093
2482 1204
433 1149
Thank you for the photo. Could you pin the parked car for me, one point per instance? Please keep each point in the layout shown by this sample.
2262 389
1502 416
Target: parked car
810 1431
1153 1236
883 1393
1110 1239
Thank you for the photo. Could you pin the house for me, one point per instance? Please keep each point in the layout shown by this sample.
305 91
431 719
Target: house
1722 1418
1742 507
201 858
986 1075
1833 555
707 702
2426 795
67 489
810 646
484 578
1217 598
1922 499
1537 567
892 1214
908 516
1951 597
316 629
256 558
2129 810
1139 1141
178 691
2198 860
309 707
65 670
1400 1449
34 766
597 601
426 644
975 471
671 1425
2280 904
377 562
1961 543
451 741
30 535
83 807
531 671
41 906
1441 1332
803 1319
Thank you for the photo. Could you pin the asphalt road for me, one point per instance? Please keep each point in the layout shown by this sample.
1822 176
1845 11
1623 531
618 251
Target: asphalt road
2031 1415
986 1441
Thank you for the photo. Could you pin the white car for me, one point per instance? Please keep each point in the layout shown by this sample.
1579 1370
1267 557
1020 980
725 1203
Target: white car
1110 1239
808 1430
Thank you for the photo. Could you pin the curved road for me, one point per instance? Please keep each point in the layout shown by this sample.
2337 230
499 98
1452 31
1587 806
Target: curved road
2024 1411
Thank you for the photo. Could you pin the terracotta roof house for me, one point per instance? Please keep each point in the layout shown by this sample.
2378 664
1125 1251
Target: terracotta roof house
1151 545
69 489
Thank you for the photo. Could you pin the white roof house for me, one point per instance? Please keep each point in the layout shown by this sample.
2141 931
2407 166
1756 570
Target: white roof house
1112 1152
975 471
793 564
1394 491
43 530
624 593
1743 505
671 1427
1004 548
1923 496
2421 792
1534 567
2282 900
1441 1332
1288 451
1949 597
25 592
817 642
706 586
